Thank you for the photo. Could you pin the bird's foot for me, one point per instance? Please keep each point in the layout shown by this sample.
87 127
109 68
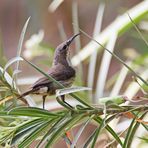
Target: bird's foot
64 103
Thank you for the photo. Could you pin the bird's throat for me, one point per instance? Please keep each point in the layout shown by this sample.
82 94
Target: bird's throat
62 59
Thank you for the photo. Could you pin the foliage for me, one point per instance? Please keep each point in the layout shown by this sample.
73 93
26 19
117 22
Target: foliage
24 126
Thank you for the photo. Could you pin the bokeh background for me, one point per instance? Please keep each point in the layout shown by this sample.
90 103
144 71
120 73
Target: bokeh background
54 26
14 13
51 24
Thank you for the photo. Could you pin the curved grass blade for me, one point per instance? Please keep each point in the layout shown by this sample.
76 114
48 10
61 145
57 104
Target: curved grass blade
77 136
88 141
6 76
65 91
19 48
104 66
11 61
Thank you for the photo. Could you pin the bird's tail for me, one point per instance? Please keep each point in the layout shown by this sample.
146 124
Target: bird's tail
27 93
21 97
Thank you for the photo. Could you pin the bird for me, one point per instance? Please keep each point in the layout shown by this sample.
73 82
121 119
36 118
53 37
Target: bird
61 70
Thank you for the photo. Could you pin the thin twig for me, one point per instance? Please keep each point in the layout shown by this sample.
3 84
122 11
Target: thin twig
136 27
115 56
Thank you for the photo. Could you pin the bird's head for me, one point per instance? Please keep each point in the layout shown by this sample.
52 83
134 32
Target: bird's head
63 49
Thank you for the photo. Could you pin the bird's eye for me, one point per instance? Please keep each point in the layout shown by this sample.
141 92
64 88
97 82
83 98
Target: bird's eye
65 46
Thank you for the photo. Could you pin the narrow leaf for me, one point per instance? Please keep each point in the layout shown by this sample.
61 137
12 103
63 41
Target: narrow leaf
34 134
77 136
65 91
11 61
21 39
110 130
31 111
60 131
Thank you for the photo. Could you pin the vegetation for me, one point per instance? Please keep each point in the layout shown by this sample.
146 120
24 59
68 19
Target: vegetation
22 125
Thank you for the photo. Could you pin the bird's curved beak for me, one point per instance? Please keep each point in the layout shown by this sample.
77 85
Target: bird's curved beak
69 41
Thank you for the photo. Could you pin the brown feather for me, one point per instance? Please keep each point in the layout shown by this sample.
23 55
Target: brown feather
58 72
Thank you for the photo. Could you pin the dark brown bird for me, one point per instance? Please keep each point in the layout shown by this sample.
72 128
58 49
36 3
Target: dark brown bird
61 71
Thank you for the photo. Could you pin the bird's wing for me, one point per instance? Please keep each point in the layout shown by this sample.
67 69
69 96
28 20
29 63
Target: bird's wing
58 72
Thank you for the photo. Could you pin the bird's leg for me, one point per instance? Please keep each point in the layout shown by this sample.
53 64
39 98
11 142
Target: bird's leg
63 103
63 99
44 97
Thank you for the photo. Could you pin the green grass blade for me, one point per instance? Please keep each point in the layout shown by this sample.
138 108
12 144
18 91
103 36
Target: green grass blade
32 111
61 130
144 139
11 61
34 134
46 136
132 130
88 141
110 130
65 91
125 144
21 39
25 129
77 136
98 130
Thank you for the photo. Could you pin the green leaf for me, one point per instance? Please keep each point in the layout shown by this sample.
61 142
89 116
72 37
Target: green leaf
65 91
131 131
54 126
110 130
25 129
19 48
32 111
11 61
145 139
125 144
115 99
34 134
6 133
97 132
7 78
77 136
61 130
138 30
